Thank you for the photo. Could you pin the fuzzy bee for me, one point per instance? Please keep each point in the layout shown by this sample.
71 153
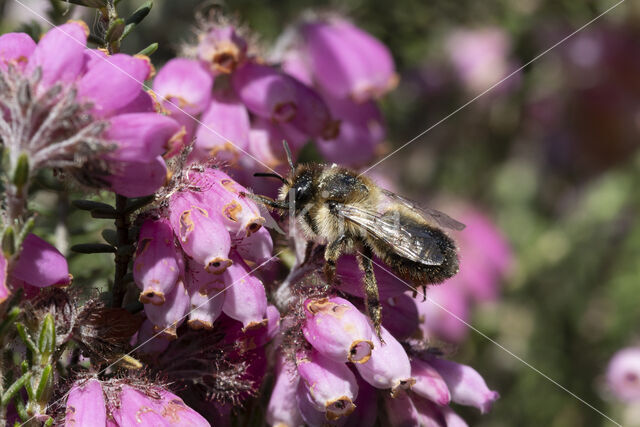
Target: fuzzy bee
351 214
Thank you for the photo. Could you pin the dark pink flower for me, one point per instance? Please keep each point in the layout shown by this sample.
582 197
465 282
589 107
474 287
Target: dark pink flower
466 385
282 409
40 264
444 313
401 410
157 407
4 288
245 296
331 385
222 49
147 342
337 330
155 268
429 414
346 61
351 279
202 235
15 49
256 247
224 131
85 404
167 317
623 374
401 316
389 366
206 295
429 383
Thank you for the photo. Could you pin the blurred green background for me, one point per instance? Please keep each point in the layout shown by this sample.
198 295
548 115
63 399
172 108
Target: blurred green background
551 154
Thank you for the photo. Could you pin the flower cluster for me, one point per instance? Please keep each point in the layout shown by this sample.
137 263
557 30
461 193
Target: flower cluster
335 380
192 259
81 110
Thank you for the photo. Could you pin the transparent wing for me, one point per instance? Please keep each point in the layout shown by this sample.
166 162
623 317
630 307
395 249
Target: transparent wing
441 218
407 239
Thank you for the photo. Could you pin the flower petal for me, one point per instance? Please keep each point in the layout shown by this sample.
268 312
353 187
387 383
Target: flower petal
60 54
140 136
184 83
15 48
40 264
137 179
113 82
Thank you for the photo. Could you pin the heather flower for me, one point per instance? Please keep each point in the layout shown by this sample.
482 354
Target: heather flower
206 295
155 268
147 342
85 404
389 366
224 130
256 247
40 264
623 374
466 385
4 288
337 330
202 235
245 296
479 56
429 383
282 409
222 49
401 410
401 317
183 87
350 278
429 413
82 111
346 61
331 385
167 317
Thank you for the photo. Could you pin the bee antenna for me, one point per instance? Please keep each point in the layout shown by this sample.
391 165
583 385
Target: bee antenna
271 175
289 156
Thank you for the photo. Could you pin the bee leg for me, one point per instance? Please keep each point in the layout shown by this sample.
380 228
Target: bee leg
267 201
372 298
331 254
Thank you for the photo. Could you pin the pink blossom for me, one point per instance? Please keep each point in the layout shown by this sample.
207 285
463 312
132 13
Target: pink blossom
245 296
85 404
623 374
222 49
40 264
336 329
282 409
167 317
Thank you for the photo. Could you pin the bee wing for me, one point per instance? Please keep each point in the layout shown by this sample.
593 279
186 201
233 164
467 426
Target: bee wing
411 242
441 218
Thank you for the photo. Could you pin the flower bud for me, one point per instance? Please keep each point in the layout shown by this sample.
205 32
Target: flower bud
465 384
332 386
206 294
222 196
282 410
336 329
222 49
245 296
201 235
311 416
85 404
224 131
40 264
167 317
623 374
389 366
155 407
429 384
348 62
155 268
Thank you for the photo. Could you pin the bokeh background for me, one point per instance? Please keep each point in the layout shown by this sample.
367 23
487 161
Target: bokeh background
549 156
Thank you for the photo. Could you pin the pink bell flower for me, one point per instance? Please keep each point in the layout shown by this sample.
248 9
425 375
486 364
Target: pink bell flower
429 383
337 330
167 317
623 374
245 297
282 409
40 264
85 404
222 49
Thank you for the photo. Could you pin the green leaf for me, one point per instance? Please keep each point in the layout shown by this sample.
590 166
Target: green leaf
8 241
115 31
44 380
24 336
103 214
110 236
21 410
14 388
93 248
148 51
21 171
90 205
140 13
125 250
96 4
26 229
47 338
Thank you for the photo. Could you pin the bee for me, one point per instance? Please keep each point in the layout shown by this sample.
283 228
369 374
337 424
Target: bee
351 214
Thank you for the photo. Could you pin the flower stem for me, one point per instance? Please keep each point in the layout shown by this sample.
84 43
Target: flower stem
122 258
